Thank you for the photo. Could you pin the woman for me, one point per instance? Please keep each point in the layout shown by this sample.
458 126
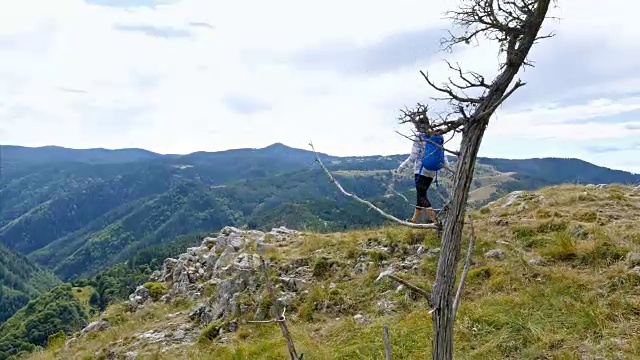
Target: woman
423 178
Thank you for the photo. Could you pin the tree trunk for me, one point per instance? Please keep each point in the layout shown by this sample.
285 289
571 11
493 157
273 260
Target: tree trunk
443 290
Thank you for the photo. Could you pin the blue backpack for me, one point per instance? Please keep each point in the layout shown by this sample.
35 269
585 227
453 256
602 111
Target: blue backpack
433 157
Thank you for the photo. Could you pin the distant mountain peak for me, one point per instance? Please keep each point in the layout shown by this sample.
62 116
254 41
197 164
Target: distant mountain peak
278 145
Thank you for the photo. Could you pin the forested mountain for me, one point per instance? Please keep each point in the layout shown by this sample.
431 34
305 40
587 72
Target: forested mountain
81 211
55 311
20 281
49 154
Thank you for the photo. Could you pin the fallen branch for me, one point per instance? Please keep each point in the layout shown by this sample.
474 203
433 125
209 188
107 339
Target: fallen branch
465 270
387 342
412 287
365 202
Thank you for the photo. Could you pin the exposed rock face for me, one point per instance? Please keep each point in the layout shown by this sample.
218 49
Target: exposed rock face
228 268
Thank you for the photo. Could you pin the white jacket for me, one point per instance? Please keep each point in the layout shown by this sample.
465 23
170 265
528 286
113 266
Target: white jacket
415 158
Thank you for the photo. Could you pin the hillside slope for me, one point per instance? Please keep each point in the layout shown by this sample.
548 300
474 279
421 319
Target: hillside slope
78 218
556 274
20 281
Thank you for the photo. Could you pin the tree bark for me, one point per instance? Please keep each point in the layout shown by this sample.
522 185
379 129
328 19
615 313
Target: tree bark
443 316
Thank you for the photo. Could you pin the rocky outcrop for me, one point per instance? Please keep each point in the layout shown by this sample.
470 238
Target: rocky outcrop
228 268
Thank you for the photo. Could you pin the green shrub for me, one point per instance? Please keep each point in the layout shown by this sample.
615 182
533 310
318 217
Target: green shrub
156 290
57 340
211 331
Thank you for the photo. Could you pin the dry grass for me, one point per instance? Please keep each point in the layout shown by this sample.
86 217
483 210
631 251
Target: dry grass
578 301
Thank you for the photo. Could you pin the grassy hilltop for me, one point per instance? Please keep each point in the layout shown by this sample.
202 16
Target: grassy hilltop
565 285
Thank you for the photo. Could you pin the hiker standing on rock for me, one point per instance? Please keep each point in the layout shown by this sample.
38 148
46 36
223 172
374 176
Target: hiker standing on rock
427 157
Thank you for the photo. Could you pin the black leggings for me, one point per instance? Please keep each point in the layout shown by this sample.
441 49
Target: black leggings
422 184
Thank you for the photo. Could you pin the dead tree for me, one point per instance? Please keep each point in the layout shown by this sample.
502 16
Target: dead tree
471 101
515 25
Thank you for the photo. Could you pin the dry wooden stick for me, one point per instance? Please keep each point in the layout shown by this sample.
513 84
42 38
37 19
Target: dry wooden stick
387 342
465 270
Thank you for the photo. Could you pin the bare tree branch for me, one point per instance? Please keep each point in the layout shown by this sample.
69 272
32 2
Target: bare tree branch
387 342
477 82
465 270
369 204
422 122
446 89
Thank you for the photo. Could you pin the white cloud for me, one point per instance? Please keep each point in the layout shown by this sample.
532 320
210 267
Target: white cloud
83 75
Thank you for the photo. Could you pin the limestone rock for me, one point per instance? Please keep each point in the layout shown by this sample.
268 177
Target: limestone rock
360 319
512 198
139 297
100 325
497 254
537 261
384 274
295 284
284 231
633 259
579 232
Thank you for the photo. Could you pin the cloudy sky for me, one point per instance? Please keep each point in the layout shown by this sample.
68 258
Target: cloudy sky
190 75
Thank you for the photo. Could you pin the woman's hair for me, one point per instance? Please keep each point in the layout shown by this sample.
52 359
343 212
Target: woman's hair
423 128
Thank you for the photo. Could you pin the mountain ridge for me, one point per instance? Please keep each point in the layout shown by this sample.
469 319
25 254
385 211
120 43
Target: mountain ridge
275 148
62 215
